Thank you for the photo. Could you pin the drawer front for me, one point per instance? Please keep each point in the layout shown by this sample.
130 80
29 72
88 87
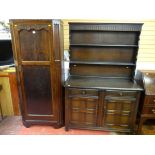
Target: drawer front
83 112
149 110
119 93
83 92
150 100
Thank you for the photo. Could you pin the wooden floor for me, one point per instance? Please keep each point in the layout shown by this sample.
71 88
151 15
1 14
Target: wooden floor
13 126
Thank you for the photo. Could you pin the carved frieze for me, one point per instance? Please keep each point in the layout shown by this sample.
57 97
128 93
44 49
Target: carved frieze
106 27
32 27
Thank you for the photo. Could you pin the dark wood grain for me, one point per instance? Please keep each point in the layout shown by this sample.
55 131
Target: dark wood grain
36 44
120 111
104 54
83 111
147 108
84 92
33 45
102 69
149 79
98 70
104 38
125 27
37 88
102 83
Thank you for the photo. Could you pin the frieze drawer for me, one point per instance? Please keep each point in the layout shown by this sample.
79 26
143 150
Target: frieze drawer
83 92
111 93
150 100
149 110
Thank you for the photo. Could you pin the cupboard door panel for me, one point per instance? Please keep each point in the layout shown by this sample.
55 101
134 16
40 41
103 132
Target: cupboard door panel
86 103
89 120
34 45
122 105
83 112
37 88
118 113
117 120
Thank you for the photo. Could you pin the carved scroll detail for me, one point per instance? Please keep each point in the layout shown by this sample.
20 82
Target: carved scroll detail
33 27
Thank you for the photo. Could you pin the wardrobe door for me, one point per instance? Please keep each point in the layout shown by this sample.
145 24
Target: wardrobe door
34 57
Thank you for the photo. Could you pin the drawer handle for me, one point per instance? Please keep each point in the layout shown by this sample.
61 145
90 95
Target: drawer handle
83 92
120 94
153 110
153 100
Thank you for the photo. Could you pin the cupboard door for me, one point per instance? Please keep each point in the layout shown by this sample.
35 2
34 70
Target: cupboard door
37 88
118 113
83 112
35 67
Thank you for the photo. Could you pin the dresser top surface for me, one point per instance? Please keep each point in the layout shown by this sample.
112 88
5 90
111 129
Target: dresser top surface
149 83
102 83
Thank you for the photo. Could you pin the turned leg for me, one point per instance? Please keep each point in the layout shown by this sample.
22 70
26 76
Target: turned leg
66 128
27 125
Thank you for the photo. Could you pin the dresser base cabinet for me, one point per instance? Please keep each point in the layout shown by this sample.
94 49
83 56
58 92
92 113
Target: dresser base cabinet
97 109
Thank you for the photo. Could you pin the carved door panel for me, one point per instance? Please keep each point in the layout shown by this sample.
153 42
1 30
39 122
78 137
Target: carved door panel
34 58
118 113
83 111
